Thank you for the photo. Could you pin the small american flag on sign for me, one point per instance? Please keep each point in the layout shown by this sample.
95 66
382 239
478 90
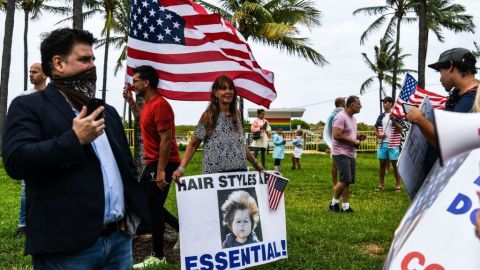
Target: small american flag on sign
276 186
413 94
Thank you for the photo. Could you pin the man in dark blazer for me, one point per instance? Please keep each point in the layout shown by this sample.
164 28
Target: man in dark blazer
83 197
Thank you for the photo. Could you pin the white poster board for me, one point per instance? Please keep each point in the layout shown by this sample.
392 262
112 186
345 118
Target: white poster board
437 232
210 225
411 163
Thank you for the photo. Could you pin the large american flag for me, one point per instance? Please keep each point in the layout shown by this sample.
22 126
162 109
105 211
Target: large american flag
413 94
190 48
276 186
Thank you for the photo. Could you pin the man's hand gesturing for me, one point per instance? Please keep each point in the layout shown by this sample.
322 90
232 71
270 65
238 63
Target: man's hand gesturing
85 126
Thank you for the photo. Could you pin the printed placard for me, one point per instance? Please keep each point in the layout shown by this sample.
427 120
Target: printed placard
411 163
226 223
437 232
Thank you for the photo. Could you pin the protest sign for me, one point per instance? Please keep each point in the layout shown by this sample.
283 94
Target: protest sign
226 223
413 162
437 232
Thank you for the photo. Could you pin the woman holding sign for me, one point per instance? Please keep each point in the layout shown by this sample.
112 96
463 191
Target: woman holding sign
221 132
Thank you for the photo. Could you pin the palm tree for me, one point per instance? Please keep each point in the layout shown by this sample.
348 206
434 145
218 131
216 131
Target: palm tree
33 9
107 8
77 14
273 23
476 52
441 14
6 59
120 26
422 36
395 11
383 65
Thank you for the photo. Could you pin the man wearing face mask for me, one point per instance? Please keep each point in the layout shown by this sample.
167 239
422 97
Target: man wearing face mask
83 198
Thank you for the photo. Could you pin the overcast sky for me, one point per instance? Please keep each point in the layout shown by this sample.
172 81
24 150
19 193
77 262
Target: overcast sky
298 82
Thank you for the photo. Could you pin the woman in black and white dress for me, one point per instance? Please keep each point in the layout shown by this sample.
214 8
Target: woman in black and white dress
220 130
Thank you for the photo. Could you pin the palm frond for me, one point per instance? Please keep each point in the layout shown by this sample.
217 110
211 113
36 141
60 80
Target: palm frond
215 9
372 10
369 63
298 12
366 84
377 24
391 29
295 46
120 60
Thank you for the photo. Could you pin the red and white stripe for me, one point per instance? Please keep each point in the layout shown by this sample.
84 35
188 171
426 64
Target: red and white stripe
395 137
438 101
213 48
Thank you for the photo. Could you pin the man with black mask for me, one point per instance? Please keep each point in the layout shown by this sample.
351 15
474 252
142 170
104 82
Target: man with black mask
83 197
457 75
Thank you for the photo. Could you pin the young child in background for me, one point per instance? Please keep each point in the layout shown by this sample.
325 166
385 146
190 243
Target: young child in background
297 149
240 215
278 148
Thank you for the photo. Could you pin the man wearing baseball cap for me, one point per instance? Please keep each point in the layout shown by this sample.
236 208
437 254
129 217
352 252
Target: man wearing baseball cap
457 75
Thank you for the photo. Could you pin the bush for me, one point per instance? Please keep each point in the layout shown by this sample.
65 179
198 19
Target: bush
182 147
322 147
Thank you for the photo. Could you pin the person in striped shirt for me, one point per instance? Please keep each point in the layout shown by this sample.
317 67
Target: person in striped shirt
388 129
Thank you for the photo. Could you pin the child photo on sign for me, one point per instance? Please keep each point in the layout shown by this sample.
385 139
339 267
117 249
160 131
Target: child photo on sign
240 219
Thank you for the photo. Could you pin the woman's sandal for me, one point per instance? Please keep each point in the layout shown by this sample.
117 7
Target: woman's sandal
379 188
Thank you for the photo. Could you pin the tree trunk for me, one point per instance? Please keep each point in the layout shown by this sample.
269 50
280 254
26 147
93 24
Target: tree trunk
77 14
138 144
6 58
395 60
25 51
422 41
380 93
105 59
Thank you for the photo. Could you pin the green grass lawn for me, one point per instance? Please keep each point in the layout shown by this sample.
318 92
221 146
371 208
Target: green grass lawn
316 238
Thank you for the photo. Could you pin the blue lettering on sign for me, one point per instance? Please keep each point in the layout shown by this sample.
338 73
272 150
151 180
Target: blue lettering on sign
245 256
190 262
220 257
239 257
462 204
234 258
205 260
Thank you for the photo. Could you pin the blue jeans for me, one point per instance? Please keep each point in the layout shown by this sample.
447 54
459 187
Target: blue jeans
110 252
22 215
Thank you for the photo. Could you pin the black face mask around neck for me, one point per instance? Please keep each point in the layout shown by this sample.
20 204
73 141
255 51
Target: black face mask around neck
78 88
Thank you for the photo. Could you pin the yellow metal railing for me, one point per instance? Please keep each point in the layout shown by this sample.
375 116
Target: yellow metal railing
312 140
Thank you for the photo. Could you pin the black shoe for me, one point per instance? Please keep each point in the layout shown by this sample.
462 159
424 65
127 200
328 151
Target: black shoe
349 210
334 207
20 232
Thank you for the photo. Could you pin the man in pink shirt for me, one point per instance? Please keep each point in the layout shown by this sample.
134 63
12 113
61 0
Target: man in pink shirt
343 152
